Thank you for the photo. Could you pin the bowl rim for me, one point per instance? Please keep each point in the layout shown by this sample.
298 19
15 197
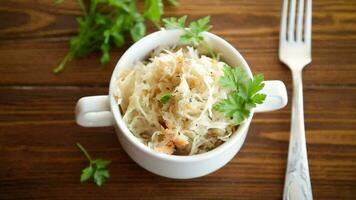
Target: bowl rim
234 138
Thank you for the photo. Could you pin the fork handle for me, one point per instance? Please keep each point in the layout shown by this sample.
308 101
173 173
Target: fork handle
297 182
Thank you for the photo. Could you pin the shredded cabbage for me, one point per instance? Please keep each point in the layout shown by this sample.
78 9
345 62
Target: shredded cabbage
186 124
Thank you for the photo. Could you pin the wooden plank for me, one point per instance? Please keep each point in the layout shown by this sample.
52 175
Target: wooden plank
34 37
40 160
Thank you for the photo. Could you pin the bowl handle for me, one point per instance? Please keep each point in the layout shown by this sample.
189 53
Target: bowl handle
276 98
94 111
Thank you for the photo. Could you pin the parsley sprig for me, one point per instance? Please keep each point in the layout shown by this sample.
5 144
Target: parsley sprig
165 98
243 95
96 169
193 34
106 23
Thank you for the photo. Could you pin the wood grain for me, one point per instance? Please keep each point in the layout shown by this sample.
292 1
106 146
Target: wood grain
39 159
37 143
41 28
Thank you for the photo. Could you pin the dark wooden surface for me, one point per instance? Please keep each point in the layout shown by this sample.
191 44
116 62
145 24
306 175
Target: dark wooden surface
38 157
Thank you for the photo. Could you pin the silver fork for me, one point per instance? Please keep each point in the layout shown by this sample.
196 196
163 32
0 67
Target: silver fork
295 52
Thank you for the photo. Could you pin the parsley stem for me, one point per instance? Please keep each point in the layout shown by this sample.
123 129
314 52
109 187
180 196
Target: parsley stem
61 65
210 50
84 151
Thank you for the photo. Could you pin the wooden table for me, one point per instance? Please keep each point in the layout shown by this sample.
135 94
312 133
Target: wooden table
38 156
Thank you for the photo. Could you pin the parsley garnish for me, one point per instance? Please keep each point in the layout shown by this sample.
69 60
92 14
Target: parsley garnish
193 34
174 23
165 98
96 169
243 96
106 23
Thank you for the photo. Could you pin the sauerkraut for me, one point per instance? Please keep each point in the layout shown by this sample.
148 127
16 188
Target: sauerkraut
186 124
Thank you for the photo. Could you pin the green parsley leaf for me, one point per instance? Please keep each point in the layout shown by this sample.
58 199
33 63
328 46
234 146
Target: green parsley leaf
258 98
165 98
96 169
193 34
233 77
243 94
138 31
233 106
200 25
106 23
100 163
173 23
256 84
100 176
105 56
153 10
250 89
87 173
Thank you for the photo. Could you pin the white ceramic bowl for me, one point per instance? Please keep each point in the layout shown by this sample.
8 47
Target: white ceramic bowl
99 111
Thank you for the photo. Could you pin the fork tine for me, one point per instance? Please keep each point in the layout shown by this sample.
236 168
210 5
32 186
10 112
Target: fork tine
300 20
291 22
283 35
308 22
